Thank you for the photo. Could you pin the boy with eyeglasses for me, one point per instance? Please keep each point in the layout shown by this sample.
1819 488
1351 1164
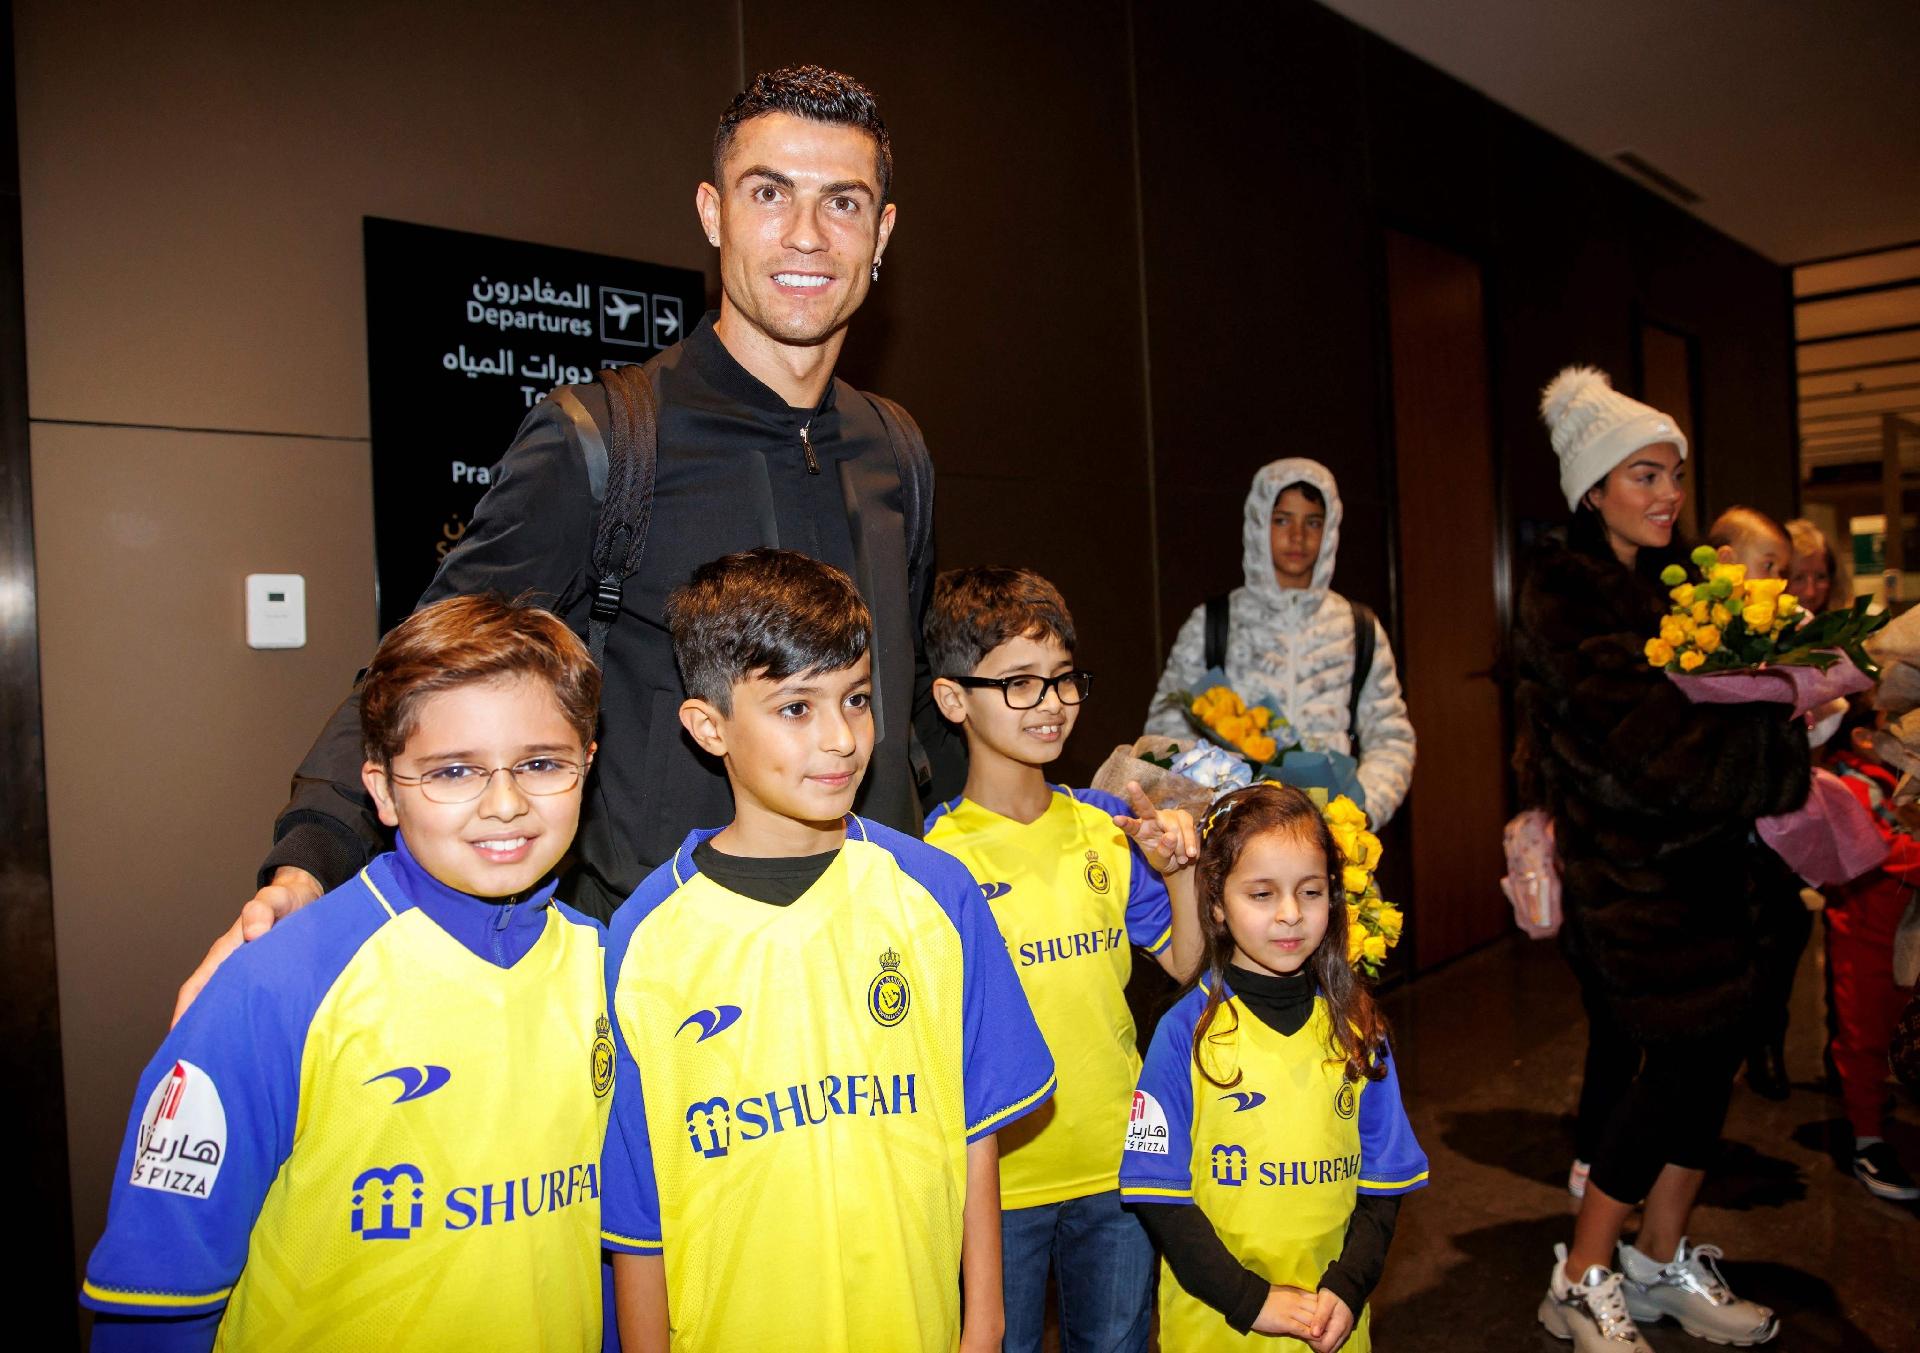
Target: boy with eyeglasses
1073 894
381 1124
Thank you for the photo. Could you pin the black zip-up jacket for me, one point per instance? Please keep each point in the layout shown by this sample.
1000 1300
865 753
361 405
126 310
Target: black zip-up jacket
734 473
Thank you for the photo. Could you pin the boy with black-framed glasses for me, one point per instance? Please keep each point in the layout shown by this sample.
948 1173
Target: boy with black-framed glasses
1076 880
381 1123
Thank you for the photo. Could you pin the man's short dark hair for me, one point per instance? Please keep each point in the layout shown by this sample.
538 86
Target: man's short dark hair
764 613
975 610
1306 490
816 94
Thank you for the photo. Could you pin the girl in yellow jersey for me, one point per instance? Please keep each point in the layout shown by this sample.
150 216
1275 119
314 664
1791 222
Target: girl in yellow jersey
1267 1147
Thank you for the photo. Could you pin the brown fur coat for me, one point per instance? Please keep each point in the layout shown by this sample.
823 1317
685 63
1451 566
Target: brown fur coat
1667 893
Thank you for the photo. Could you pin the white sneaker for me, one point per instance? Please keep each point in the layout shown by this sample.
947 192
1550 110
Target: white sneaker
1592 1312
1577 1178
1689 1288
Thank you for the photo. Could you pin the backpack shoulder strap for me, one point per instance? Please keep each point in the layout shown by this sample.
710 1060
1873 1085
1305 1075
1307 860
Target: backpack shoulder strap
1216 643
1363 640
916 477
626 507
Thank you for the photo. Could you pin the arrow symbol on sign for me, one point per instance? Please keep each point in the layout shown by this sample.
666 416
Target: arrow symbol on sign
669 321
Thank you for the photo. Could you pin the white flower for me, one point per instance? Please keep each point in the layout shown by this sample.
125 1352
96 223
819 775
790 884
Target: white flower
1213 767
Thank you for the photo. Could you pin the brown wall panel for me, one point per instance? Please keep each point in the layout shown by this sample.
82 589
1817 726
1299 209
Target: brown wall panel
169 742
193 187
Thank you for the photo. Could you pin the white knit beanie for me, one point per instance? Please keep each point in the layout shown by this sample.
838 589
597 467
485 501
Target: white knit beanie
1594 427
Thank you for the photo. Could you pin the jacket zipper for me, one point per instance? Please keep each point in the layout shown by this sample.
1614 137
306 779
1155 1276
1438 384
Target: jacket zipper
806 445
499 928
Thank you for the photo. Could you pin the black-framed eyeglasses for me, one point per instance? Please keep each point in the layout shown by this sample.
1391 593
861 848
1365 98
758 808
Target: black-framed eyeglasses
1024 692
460 783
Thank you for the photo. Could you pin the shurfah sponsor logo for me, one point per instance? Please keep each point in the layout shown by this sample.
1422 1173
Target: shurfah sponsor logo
1078 944
183 1135
719 1126
1147 1125
1298 1173
389 1202
1229 1165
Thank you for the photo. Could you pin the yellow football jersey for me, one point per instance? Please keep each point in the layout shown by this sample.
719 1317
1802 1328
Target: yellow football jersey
366 1135
1275 1162
1072 896
797 1086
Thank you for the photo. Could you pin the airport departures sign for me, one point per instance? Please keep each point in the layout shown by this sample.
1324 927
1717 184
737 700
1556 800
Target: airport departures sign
465 333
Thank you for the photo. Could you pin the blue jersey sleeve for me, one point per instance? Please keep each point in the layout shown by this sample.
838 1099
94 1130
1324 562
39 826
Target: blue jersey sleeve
629 1193
212 1123
1391 1161
1157 1164
1149 909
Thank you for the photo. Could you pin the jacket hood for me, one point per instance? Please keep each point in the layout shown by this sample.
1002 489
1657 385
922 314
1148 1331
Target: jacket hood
1291 605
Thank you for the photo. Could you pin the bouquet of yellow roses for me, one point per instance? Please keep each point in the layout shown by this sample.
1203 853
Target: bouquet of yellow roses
1731 639
1373 923
1220 715
1728 622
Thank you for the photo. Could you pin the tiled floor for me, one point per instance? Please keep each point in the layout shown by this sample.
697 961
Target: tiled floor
1490 1051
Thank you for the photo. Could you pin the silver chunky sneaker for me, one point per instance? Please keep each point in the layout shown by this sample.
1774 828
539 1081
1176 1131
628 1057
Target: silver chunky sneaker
1690 1289
1592 1312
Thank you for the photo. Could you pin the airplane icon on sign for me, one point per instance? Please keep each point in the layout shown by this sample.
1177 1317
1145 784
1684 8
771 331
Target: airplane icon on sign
623 310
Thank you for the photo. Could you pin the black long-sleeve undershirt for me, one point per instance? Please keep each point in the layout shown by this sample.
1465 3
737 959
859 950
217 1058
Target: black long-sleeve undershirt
1194 1251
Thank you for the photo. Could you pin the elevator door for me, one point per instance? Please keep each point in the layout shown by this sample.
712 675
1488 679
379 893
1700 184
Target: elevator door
1449 614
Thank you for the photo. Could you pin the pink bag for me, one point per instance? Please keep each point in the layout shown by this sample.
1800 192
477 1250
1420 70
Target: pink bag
1532 883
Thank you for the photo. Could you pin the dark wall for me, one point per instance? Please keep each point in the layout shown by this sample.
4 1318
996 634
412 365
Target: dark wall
1276 141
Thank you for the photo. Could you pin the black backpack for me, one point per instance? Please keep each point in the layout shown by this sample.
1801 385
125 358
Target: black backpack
626 503
1363 636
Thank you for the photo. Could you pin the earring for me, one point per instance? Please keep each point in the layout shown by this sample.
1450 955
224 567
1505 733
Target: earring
876 270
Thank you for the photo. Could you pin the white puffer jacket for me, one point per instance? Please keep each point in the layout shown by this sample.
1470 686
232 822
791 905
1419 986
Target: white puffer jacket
1293 647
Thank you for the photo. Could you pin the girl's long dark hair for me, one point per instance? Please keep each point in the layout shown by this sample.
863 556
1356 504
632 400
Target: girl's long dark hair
1356 1030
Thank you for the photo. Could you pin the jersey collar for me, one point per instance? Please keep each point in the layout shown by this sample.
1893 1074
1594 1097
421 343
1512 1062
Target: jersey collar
434 897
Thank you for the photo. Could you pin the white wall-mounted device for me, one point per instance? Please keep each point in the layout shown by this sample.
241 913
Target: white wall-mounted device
276 610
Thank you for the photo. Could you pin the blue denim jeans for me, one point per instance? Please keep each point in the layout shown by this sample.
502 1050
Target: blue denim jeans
1103 1263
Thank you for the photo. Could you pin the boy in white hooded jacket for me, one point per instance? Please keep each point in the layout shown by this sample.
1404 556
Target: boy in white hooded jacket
1290 638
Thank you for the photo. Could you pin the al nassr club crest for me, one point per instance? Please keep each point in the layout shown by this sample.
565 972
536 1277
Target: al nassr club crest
889 995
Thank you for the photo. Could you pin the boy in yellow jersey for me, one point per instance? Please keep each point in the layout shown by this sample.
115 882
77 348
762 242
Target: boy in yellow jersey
380 1125
818 1030
1073 896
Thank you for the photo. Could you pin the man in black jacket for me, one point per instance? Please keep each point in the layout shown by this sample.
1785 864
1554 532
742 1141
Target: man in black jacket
759 444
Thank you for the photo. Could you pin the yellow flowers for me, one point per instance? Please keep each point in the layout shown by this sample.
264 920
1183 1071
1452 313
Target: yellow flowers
1373 923
1223 712
1723 621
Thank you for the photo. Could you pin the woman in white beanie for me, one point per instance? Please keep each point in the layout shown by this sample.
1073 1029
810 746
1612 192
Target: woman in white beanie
1653 801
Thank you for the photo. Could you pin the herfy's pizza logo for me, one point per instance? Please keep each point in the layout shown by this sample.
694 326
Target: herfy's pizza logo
602 1057
1147 1125
889 996
183 1135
